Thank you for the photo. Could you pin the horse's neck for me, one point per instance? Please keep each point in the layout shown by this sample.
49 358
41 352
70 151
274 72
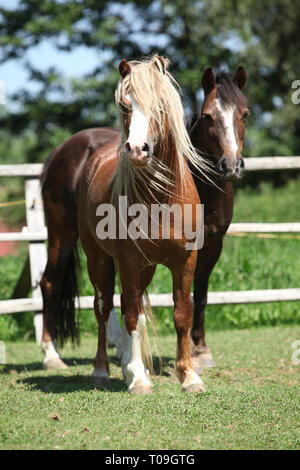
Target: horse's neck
210 192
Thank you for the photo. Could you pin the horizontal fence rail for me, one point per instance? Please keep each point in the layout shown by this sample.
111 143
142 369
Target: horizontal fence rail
292 227
251 164
32 170
165 300
272 163
257 227
24 236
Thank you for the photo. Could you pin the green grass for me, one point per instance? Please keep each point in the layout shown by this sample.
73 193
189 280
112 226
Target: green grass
252 399
268 203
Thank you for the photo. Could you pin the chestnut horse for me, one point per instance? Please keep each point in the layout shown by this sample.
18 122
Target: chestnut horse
60 179
150 171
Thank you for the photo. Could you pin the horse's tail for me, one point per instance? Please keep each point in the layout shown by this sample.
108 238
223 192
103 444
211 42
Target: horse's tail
66 315
146 348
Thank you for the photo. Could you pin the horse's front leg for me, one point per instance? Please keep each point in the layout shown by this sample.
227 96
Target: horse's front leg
134 331
182 280
207 258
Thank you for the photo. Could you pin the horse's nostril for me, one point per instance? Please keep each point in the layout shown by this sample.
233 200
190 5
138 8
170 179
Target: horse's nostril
145 147
127 147
223 165
242 164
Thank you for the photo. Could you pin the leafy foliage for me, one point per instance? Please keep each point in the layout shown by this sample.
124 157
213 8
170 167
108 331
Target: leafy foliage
194 34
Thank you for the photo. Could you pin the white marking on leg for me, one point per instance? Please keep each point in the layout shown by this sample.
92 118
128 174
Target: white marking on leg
50 350
227 115
114 332
132 365
194 378
100 300
191 378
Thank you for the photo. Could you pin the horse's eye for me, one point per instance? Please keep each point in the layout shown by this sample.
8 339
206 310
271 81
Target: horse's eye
245 116
207 117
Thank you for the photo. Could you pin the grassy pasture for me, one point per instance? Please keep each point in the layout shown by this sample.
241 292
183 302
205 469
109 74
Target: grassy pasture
252 399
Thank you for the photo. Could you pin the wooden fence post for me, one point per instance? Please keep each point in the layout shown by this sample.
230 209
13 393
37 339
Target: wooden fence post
37 249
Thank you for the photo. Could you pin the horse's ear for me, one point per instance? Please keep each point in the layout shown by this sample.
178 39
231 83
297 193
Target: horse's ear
124 68
164 64
208 81
240 77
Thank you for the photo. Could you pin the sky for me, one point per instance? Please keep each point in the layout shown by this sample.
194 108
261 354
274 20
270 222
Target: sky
78 62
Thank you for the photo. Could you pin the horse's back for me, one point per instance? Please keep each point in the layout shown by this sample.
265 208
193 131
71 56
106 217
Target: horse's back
61 175
63 166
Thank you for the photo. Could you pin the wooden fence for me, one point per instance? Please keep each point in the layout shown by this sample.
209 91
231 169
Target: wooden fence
36 233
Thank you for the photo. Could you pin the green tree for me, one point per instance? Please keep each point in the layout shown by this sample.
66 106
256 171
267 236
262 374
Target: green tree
194 34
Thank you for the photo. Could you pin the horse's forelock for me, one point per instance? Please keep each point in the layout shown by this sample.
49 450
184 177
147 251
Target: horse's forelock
228 92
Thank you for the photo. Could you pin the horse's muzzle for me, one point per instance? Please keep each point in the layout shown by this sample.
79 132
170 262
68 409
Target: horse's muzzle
229 170
139 157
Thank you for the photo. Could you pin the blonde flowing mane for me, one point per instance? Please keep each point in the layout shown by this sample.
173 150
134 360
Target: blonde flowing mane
157 94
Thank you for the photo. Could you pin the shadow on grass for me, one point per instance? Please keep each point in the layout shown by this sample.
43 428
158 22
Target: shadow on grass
161 366
167 363
29 366
34 366
60 384
69 384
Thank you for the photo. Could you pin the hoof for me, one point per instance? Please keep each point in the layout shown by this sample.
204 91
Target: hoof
100 382
56 363
206 361
202 359
140 388
194 388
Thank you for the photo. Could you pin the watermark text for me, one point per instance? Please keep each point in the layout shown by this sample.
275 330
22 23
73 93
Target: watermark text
159 221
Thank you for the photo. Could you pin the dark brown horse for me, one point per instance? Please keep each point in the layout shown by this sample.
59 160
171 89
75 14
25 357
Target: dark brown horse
62 172
60 178
218 133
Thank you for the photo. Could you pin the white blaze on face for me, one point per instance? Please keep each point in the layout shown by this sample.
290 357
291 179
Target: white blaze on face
138 130
227 116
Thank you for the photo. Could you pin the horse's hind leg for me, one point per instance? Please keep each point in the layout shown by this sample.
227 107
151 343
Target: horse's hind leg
113 330
99 268
60 253
182 280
